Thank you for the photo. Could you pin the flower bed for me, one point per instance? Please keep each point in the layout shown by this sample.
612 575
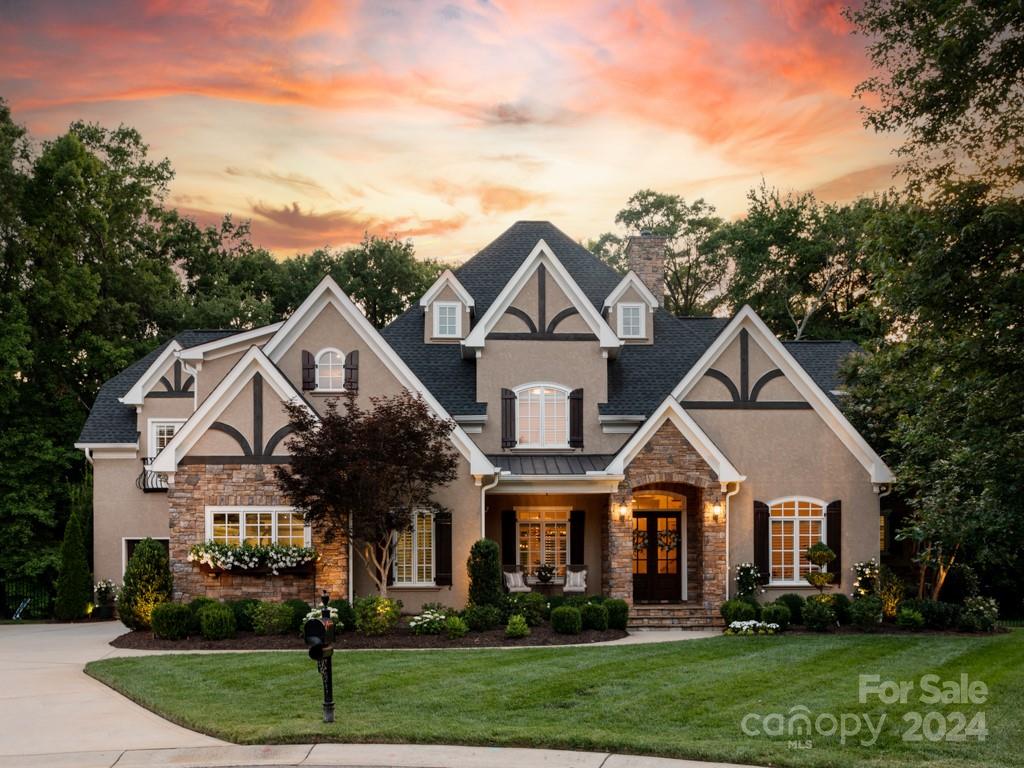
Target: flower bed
274 559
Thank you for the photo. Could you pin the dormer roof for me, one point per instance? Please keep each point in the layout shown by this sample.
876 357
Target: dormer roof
446 279
631 280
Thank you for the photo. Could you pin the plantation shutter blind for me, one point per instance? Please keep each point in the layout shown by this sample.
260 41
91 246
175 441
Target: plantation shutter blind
508 418
443 549
834 538
576 418
352 371
308 370
761 540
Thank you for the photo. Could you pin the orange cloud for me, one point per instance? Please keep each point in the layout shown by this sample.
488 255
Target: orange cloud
492 198
852 185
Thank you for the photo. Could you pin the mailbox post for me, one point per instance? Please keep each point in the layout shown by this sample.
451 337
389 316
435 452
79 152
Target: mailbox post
319 635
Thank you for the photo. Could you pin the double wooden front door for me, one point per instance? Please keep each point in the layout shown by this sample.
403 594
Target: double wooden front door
658 544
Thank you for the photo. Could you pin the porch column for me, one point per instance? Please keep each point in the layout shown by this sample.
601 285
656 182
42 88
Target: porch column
713 550
617 550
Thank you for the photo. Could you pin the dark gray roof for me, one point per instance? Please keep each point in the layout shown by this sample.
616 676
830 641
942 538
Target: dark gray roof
110 421
551 464
822 361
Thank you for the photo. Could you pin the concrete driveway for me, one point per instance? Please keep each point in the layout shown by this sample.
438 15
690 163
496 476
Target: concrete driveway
49 705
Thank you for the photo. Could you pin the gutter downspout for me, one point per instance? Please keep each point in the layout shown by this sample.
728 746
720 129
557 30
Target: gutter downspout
483 495
728 570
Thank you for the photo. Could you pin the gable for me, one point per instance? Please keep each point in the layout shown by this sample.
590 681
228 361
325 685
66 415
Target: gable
744 377
163 377
541 309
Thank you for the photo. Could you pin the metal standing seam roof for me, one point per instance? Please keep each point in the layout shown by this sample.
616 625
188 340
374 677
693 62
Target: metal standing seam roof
550 464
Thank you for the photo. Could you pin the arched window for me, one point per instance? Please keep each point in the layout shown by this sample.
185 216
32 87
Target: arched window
330 370
796 523
542 416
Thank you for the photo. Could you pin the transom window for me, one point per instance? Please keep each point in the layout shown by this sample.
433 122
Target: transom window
543 535
256 525
796 524
414 552
631 321
543 416
330 370
160 434
447 319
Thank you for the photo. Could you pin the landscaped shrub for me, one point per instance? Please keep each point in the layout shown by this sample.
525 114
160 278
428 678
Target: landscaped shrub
752 602
908 618
480 618
346 614
776 613
195 606
594 616
455 627
751 628
216 622
532 606
937 614
485 580
376 615
866 612
795 603
171 621
748 580
819 614
979 614
841 605
820 554
566 620
891 590
517 627
865 578
737 610
147 582
299 610
243 612
74 584
618 613
429 622
271 618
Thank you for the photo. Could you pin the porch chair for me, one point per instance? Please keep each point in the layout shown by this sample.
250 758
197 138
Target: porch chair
514 582
575 580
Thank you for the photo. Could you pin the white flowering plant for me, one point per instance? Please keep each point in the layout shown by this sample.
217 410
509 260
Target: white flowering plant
430 622
315 614
748 580
106 592
751 627
865 578
249 557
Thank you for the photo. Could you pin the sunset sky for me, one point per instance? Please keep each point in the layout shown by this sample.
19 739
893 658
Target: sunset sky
446 122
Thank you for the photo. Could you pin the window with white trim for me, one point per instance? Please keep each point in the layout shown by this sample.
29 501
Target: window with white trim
256 525
795 524
160 433
447 319
631 321
330 370
414 552
542 416
543 536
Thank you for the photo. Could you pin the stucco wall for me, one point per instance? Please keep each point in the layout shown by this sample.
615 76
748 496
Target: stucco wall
216 369
758 364
527 300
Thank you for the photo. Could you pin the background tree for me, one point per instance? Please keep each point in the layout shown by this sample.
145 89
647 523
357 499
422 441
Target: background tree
74 584
363 474
949 80
694 270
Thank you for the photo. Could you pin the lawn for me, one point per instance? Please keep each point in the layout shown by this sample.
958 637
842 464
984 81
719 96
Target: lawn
684 699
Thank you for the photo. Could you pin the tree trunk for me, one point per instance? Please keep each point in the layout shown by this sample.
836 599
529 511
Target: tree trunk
942 570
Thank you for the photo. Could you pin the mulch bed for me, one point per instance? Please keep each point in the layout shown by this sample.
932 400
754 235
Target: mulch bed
400 638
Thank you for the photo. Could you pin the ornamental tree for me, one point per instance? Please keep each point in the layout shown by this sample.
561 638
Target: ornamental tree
360 475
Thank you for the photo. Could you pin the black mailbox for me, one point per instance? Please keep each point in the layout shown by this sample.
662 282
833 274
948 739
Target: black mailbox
319 636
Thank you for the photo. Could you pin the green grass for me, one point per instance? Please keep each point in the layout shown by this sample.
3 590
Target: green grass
682 699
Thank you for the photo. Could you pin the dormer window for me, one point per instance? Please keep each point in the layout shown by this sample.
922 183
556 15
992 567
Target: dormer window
330 370
632 321
447 319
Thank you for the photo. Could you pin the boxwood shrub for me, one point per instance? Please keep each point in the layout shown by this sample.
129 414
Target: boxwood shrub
346 614
937 614
480 618
819 614
532 606
795 603
594 616
195 605
216 622
243 612
299 610
376 615
271 618
171 621
776 613
737 610
566 620
908 618
618 613
866 612
841 604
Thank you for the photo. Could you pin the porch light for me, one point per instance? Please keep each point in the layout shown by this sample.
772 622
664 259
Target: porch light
716 512
623 513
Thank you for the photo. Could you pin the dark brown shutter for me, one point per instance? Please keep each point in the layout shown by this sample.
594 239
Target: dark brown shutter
576 418
577 521
352 371
308 370
443 549
761 540
508 537
508 418
834 539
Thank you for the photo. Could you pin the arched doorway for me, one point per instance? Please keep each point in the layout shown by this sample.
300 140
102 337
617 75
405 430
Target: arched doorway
659 545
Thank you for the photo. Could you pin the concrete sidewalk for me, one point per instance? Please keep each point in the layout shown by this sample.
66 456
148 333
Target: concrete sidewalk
353 756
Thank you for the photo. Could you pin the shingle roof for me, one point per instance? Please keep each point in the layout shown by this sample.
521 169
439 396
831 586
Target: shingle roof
110 421
548 464
822 360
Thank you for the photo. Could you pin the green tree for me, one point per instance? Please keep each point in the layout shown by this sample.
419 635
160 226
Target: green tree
950 83
147 583
484 568
74 584
695 271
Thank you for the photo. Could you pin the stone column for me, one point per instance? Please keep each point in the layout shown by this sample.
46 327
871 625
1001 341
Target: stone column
713 550
617 550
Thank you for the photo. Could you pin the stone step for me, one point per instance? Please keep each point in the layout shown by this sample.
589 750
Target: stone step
695 621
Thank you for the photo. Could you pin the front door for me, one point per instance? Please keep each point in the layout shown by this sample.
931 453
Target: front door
657 556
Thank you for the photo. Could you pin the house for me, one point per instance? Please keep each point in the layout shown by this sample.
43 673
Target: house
596 431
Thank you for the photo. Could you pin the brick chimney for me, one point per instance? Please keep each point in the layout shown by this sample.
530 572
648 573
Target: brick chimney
645 255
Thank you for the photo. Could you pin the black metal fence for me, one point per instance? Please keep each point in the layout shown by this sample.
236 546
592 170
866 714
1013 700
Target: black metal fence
26 600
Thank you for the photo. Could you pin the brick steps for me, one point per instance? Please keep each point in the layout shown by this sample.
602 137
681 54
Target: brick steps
673 617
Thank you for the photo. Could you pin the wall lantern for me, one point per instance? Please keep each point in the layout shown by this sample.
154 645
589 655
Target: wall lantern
716 512
623 512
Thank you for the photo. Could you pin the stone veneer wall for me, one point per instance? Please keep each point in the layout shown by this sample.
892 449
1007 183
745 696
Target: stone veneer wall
668 457
197 486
